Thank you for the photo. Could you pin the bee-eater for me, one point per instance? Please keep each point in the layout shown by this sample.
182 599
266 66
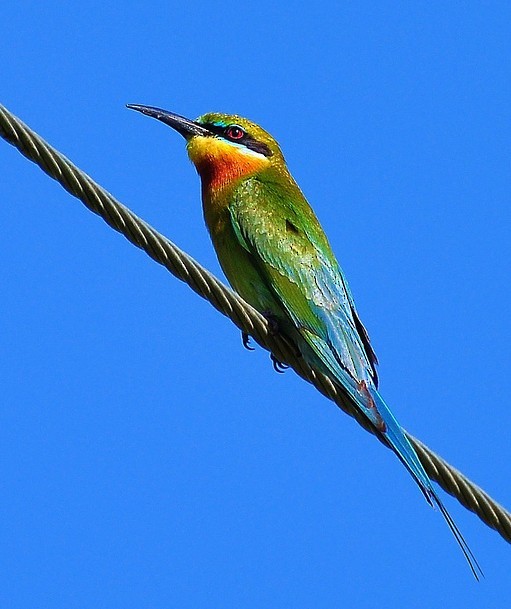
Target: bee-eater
275 254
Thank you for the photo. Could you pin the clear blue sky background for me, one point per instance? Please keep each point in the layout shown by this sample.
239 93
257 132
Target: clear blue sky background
146 459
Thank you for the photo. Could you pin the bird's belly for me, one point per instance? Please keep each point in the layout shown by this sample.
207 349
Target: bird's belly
241 272
245 278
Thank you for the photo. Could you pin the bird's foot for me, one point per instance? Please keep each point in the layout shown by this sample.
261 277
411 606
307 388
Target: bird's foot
273 324
278 366
245 337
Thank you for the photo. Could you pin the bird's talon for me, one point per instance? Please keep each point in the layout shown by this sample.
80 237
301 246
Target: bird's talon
278 366
245 337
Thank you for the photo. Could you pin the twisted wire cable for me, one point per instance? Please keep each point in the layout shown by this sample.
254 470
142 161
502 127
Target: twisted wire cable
245 317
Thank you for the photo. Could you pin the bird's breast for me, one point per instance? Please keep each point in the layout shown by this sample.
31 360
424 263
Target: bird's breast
215 207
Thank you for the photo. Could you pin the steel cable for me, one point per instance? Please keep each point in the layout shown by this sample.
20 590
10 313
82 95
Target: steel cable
245 317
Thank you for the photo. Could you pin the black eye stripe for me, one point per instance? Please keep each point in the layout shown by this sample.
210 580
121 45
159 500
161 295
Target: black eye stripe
216 129
259 147
246 140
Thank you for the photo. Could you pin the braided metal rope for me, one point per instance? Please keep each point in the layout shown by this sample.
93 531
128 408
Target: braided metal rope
246 318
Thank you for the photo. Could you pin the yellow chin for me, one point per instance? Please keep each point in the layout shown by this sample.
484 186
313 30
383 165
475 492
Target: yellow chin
219 163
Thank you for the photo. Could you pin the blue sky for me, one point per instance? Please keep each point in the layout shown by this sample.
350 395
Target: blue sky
146 459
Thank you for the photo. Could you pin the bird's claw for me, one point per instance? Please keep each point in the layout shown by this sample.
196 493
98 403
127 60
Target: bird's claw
278 366
245 337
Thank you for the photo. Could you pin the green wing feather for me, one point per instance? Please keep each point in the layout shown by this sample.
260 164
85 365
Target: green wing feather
277 227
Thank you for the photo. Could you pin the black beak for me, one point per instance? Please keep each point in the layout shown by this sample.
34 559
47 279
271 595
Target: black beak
182 125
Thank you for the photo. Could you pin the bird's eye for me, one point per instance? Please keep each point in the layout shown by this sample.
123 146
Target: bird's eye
234 132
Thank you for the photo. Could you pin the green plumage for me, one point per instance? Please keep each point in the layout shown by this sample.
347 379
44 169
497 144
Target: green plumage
277 257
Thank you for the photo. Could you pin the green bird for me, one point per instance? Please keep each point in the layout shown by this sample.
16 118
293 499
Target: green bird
275 254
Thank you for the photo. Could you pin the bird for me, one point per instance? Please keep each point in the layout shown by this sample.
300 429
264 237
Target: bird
276 256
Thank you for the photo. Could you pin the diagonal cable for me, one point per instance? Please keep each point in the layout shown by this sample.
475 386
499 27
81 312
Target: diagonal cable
245 317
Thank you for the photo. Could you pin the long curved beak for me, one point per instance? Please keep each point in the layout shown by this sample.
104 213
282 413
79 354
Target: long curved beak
182 125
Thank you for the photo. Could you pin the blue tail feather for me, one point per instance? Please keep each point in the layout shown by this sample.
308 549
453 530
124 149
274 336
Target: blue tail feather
400 444
367 399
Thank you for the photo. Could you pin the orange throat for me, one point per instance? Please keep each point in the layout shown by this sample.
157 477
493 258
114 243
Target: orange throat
220 163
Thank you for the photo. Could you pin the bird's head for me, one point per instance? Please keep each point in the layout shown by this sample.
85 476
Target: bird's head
223 147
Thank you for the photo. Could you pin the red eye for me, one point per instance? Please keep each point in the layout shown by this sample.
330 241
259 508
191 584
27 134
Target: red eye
234 132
